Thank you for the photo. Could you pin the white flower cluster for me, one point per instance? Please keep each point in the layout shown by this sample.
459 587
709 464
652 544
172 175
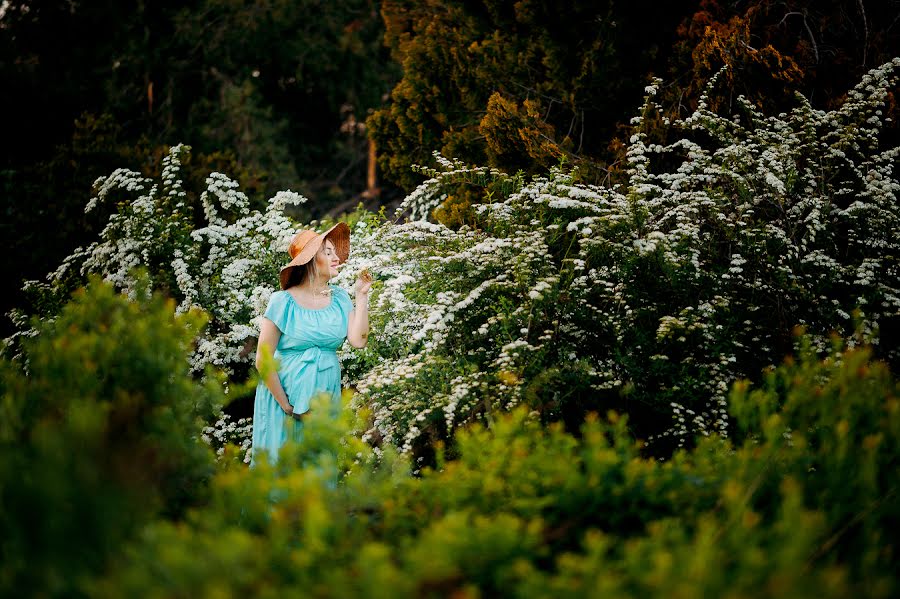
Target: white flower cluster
665 290
225 190
654 295
227 267
226 431
430 194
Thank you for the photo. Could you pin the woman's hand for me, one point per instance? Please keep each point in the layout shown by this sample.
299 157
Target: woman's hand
363 282
288 408
358 322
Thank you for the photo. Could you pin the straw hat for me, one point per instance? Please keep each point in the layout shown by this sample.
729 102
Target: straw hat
306 243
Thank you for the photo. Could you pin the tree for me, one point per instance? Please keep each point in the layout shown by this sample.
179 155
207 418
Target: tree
515 86
775 49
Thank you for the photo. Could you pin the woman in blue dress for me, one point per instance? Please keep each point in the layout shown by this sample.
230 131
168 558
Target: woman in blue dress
303 325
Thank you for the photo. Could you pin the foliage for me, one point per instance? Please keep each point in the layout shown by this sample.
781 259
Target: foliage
290 94
99 437
775 49
228 431
714 41
216 266
650 299
178 67
513 86
800 504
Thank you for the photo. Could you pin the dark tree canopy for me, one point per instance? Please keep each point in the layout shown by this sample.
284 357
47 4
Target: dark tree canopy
287 94
516 86
272 92
520 86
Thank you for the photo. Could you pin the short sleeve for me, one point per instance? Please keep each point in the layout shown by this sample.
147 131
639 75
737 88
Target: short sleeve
276 311
344 299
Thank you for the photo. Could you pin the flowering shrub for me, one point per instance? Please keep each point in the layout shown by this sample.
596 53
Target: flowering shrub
226 267
227 431
109 491
650 298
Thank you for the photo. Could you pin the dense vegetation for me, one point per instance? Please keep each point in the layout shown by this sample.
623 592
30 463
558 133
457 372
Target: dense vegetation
610 356
650 298
517 86
99 438
274 92
800 502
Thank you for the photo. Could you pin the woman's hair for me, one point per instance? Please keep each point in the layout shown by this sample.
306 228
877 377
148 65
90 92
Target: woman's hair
301 274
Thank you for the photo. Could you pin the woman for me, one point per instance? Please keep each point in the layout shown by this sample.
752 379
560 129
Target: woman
302 327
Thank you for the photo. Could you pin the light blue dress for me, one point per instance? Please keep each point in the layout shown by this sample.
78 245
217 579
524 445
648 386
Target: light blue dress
307 362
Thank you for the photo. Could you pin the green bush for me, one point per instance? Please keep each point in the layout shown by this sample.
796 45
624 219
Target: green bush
801 506
98 437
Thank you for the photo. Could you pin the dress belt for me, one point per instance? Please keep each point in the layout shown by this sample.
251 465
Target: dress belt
311 355
309 358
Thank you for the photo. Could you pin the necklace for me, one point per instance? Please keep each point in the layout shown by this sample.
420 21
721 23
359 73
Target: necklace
312 300
316 295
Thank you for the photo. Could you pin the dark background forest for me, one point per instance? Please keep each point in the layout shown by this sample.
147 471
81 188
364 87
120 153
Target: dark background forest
303 95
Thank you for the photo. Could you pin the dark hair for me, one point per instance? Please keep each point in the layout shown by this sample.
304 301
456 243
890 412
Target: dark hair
300 274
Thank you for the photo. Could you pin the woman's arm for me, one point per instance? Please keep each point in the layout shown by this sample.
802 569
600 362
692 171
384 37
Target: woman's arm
358 325
269 336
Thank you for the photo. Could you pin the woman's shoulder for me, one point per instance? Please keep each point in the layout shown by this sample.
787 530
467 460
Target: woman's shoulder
279 295
277 309
338 290
277 300
342 295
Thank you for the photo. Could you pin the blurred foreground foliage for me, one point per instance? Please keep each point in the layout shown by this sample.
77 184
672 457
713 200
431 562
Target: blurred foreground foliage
99 437
104 488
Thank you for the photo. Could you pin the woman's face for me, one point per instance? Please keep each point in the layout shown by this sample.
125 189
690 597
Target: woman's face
327 259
